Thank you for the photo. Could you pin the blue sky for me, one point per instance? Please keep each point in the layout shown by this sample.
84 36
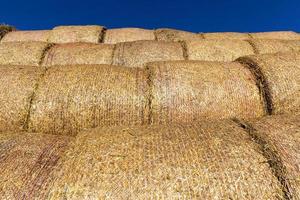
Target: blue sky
190 15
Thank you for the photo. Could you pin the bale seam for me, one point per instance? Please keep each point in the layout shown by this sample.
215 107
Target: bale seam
184 50
102 35
261 82
273 158
255 50
36 86
149 94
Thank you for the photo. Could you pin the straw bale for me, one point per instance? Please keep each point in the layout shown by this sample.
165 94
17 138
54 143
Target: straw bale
207 161
113 36
4 29
226 36
217 50
188 91
27 36
71 98
137 54
275 46
68 34
17 84
279 75
166 34
281 35
22 53
79 53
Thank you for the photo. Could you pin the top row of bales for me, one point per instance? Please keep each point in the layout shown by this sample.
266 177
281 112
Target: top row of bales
99 34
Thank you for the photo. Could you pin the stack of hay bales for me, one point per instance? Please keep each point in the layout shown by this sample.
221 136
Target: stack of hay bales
174 114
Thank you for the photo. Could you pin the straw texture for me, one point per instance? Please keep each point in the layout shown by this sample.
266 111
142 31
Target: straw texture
281 35
17 84
208 161
113 36
280 76
71 98
137 54
27 36
22 53
188 91
166 34
26 161
226 35
79 53
66 34
275 46
217 50
282 136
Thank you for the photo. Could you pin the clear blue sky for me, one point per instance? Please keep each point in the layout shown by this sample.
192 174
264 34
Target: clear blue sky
191 15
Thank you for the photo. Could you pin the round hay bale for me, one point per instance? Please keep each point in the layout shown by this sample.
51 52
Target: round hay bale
27 36
188 91
282 143
275 46
207 161
113 36
4 29
226 36
79 53
22 53
217 50
68 34
281 35
279 75
71 98
17 84
137 54
26 162
166 34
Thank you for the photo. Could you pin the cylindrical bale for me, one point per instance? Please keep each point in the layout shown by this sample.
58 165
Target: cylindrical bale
281 35
79 53
27 161
207 161
71 98
282 143
4 29
279 75
217 50
22 53
17 84
27 36
137 54
68 34
166 34
188 91
226 36
113 36
275 46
